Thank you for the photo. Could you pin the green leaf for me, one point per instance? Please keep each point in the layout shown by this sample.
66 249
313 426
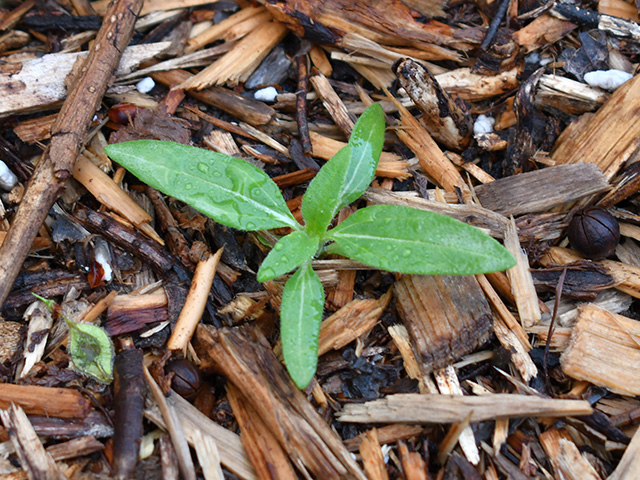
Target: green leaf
91 351
290 252
347 175
230 190
300 318
408 240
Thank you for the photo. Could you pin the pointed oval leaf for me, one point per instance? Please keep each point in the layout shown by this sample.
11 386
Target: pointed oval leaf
347 175
230 190
300 318
91 351
290 252
408 240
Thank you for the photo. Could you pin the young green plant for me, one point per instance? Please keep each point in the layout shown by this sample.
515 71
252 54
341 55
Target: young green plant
236 193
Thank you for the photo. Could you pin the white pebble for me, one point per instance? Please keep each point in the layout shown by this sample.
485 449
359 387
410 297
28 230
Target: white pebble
8 180
267 94
607 79
145 85
483 124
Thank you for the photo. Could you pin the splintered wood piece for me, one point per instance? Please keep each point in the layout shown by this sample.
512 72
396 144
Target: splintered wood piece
446 316
150 6
390 164
629 466
389 23
36 400
195 303
430 156
351 321
129 313
604 349
33 458
68 136
464 84
475 215
543 30
24 92
565 457
427 408
568 95
243 108
232 454
112 196
372 456
522 287
40 322
541 190
386 434
216 31
236 65
444 119
77 447
266 454
333 103
606 135
35 129
448 384
173 426
208 457
401 339
254 370
413 465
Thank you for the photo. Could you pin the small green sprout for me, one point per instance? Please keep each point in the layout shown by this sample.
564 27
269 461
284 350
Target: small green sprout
236 193
90 347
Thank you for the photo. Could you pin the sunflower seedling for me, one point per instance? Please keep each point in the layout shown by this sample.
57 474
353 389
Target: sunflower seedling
235 193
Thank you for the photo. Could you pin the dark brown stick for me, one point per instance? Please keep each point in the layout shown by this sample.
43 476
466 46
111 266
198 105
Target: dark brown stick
129 390
68 136
301 105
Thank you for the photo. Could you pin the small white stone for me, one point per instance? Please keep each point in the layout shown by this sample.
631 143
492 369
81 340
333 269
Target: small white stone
8 180
267 94
607 79
145 85
483 124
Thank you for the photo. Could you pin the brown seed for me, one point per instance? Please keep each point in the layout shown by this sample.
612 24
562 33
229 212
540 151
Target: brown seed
187 380
594 233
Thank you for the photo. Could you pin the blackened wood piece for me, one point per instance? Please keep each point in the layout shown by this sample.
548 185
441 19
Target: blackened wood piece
583 280
445 120
129 391
446 316
532 129
244 357
246 109
68 136
301 104
48 22
129 240
47 289
95 424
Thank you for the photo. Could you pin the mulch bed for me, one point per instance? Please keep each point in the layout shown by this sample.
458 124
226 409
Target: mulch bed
493 117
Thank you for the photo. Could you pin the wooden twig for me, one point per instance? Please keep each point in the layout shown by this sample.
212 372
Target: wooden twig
421 408
301 104
68 136
195 303
129 394
56 402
